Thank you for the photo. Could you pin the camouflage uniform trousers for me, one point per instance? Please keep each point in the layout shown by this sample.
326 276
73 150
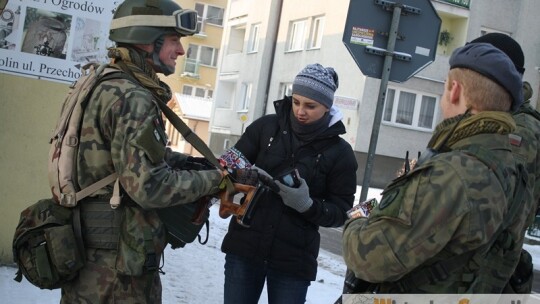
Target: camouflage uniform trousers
98 282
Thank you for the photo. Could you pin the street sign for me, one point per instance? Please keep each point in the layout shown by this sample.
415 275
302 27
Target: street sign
379 31
367 31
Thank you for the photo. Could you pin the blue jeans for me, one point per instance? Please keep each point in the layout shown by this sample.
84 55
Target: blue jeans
244 282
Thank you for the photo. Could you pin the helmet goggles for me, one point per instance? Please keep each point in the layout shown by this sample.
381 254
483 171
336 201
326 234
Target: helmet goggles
183 21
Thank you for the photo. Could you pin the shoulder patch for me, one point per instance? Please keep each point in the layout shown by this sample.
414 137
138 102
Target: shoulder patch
388 198
515 140
151 141
159 133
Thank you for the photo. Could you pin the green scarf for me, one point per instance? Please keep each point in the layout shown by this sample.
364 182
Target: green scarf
132 62
451 130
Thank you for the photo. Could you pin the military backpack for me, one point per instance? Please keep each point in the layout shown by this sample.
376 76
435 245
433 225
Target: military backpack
47 245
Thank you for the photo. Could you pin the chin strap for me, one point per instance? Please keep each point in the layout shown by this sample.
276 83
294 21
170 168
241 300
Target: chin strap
165 69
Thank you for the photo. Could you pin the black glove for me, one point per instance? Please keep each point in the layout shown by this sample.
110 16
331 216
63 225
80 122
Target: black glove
197 163
244 176
252 177
266 179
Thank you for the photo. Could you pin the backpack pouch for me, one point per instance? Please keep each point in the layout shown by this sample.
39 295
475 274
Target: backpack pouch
45 272
45 247
63 251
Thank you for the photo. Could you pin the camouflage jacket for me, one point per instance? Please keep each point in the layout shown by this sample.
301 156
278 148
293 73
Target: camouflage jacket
122 131
526 145
448 205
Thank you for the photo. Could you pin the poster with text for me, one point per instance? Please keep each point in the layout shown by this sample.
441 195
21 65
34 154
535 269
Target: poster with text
53 39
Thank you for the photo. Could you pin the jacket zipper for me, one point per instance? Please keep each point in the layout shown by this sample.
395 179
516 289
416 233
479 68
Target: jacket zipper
315 167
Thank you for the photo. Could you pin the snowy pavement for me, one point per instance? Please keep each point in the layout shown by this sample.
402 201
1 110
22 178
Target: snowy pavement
194 274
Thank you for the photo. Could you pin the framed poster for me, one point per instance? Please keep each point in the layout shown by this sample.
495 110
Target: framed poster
52 39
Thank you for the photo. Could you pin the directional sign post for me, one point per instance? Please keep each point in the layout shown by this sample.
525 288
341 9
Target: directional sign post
379 31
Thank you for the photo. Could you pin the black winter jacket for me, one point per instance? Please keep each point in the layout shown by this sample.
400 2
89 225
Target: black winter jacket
286 239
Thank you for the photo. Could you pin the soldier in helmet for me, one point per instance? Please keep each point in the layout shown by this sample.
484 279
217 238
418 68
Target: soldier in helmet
450 225
122 131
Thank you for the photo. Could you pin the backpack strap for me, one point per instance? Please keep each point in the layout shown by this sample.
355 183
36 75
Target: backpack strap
96 186
443 269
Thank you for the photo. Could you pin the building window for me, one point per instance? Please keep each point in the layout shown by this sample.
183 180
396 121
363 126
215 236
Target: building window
253 45
196 91
316 34
285 89
245 96
209 14
236 39
204 55
296 36
191 66
410 109
187 90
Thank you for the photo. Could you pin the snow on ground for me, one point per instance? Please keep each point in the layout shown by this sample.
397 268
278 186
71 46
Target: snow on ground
194 274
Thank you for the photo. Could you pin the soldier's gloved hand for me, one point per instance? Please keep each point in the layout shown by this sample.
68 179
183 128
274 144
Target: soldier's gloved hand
296 198
266 179
244 176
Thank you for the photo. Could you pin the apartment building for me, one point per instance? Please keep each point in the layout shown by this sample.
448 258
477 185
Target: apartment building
266 43
193 83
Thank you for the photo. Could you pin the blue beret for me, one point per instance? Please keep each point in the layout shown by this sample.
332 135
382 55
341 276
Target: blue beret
491 62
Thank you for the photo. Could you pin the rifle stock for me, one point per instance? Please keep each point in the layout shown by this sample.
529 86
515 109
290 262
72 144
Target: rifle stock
228 207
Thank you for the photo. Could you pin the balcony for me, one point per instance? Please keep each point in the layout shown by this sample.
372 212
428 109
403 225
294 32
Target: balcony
462 3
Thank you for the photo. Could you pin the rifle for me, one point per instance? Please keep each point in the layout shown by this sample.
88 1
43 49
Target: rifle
227 188
407 163
243 212
227 207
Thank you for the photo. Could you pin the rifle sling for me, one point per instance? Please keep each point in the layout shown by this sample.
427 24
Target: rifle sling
181 126
186 132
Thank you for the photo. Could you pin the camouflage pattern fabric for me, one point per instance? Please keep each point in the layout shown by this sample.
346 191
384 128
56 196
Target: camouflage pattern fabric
44 245
122 131
448 205
525 146
99 282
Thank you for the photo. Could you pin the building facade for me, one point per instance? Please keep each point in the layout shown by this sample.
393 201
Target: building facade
266 43
194 80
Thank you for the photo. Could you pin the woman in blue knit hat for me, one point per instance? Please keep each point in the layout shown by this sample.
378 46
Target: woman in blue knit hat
281 245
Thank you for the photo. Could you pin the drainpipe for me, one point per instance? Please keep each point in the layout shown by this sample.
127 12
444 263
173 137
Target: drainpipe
273 55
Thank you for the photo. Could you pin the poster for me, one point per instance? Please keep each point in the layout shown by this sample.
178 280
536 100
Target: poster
362 36
52 39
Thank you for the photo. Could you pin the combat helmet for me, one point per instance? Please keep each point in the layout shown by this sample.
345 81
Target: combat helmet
144 21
